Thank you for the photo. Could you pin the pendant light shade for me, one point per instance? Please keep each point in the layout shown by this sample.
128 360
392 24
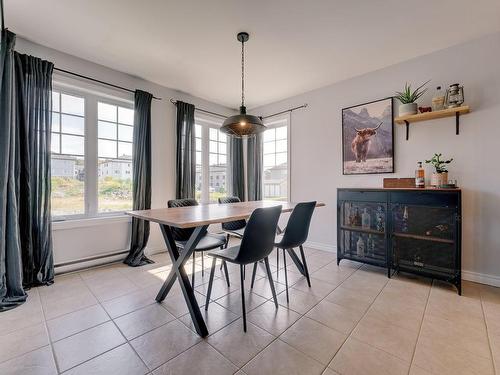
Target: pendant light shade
242 125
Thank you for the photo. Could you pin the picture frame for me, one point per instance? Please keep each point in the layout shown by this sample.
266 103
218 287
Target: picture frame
368 138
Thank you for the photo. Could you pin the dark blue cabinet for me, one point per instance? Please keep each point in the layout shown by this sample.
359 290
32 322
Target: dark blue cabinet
409 230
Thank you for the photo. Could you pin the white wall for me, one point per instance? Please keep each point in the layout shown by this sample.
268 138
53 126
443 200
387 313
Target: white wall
316 159
98 237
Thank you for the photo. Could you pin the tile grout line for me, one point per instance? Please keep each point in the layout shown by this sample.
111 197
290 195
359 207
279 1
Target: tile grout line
495 370
48 335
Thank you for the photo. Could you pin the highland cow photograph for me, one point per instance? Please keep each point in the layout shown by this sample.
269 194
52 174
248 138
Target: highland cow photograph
368 138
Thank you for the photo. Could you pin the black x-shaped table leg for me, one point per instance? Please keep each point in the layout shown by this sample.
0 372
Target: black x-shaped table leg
177 271
294 257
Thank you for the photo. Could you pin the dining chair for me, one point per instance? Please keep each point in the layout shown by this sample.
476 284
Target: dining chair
294 235
233 228
209 241
256 244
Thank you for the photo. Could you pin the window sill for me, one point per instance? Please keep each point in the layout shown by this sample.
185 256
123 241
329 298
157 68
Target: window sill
90 222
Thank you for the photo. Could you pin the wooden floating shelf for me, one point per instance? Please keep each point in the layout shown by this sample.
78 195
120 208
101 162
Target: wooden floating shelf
450 112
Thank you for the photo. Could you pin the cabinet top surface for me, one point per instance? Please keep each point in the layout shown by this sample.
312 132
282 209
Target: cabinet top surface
400 189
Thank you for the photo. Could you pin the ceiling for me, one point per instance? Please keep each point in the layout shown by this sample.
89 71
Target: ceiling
295 45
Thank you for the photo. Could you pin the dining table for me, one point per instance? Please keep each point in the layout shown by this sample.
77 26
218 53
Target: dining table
200 217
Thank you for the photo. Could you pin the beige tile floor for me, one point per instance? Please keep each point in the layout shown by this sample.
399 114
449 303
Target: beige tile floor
354 320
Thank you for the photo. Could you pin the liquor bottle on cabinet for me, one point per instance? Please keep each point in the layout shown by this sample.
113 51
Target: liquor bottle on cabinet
365 219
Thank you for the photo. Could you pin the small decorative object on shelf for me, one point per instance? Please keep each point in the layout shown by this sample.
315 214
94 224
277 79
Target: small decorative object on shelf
371 245
380 219
408 99
440 176
455 96
365 219
419 176
424 109
438 99
360 247
404 224
357 218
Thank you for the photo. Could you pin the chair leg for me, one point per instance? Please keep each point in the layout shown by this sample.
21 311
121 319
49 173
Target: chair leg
253 274
305 265
277 262
202 265
244 272
193 268
226 272
227 240
271 282
286 276
242 267
210 282
222 248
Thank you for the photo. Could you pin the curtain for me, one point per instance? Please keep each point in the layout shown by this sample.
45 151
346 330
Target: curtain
26 257
34 82
254 167
186 152
141 188
236 171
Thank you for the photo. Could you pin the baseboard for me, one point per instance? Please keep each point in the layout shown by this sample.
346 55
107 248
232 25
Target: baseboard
321 246
481 278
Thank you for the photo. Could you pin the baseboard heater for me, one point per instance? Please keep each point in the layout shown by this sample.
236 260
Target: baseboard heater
88 262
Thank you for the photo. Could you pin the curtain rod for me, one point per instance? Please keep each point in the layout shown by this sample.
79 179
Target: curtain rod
97 80
173 101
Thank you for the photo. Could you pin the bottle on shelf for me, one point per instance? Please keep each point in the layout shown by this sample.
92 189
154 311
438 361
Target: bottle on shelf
380 219
357 218
360 247
438 99
404 225
370 245
365 219
419 176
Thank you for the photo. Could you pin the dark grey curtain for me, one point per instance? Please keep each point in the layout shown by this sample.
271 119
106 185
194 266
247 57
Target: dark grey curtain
186 152
237 183
254 167
25 225
34 82
141 189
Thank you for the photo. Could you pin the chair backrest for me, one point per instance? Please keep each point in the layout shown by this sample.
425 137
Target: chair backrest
182 234
232 225
258 238
297 228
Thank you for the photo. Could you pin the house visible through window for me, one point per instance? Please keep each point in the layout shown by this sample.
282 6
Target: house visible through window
68 155
217 164
275 160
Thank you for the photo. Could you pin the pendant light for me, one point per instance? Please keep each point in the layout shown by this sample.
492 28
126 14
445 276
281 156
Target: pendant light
242 125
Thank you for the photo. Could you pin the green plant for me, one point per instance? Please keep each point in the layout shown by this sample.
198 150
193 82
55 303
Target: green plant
408 96
439 165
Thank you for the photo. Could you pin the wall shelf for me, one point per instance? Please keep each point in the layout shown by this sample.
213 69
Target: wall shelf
450 112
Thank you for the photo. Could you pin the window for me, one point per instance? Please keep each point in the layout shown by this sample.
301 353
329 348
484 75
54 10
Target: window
91 153
217 163
68 155
115 129
275 160
211 161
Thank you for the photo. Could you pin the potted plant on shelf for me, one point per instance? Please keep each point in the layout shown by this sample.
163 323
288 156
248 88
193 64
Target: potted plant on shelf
408 99
440 176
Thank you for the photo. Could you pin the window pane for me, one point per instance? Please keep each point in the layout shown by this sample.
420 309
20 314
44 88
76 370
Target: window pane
54 143
55 101
56 122
269 147
213 159
222 137
125 116
281 158
72 104
114 185
72 145
269 135
198 158
281 146
68 188
106 130
124 150
107 149
198 183
222 148
281 132
73 124
198 144
106 112
125 133
213 146
213 134
222 159
197 131
269 160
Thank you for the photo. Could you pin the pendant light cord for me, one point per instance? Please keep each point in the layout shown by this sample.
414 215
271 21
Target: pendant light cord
242 73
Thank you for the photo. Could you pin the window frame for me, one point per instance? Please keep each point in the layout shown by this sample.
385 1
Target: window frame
272 123
91 97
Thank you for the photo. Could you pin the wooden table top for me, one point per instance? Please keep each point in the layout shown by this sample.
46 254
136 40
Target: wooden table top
205 214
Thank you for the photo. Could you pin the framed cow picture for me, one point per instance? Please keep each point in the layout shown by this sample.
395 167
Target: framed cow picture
368 138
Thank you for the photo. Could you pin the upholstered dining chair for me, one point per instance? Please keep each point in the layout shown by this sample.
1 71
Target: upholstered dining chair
233 228
209 241
256 244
